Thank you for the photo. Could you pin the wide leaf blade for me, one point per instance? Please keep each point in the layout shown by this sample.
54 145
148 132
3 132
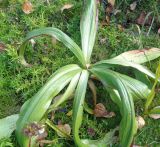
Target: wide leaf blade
128 123
35 109
139 56
88 27
8 125
56 33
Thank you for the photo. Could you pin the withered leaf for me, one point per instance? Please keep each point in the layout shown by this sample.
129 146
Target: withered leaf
2 47
112 2
133 6
66 6
27 7
143 19
100 111
154 116
65 128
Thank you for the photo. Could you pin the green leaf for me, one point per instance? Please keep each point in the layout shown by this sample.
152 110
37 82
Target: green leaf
113 61
152 93
155 110
78 106
107 140
35 109
68 93
128 125
56 33
8 125
139 56
88 28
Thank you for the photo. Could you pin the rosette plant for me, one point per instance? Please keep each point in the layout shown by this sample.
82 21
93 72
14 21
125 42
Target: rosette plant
123 89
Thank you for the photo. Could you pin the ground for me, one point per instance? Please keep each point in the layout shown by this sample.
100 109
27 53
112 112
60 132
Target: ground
18 83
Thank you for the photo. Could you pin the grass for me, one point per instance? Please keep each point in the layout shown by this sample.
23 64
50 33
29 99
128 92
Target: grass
18 84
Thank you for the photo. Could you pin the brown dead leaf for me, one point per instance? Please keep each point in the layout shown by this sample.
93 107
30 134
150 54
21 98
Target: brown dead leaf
100 111
133 6
66 6
142 20
27 7
112 2
120 27
109 9
2 47
154 116
65 128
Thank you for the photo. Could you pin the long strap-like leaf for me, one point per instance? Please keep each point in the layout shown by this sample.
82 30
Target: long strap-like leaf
139 67
78 106
35 109
59 35
128 125
88 28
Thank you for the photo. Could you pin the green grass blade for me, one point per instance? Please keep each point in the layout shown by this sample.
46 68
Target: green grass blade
56 33
88 28
78 106
35 109
128 124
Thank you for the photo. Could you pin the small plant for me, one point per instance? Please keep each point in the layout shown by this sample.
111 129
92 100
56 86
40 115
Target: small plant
123 89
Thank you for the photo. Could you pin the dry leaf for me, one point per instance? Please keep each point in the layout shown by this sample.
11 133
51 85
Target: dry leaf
140 122
133 6
155 116
91 131
32 41
66 6
142 19
65 128
112 2
2 47
109 9
100 111
27 7
116 11
120 27
159 31
54 40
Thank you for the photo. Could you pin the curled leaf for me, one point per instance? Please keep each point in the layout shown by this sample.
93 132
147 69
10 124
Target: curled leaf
27 7
2 47
100 111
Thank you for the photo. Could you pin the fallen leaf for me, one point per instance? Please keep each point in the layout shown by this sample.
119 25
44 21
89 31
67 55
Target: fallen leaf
32 41
155 116
2 47
133 6
142 20
91 131
116 11
100 111
159 31
64 128
107 20
112 2
120 28
66 6
140 122
109 9
27 7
